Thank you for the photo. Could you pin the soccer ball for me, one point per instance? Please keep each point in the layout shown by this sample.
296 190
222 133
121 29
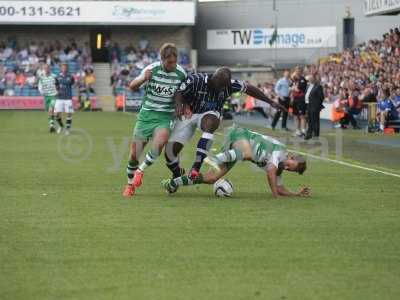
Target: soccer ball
223 188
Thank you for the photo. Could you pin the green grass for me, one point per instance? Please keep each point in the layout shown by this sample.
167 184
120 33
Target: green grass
66 232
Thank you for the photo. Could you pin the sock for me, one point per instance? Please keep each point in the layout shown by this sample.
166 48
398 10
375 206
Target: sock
203 146
68 122
60 122
381 127
185 180
174 167
151 157
130 170
229 156
51 121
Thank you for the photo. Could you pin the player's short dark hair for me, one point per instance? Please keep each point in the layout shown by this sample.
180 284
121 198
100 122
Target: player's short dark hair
301 163
167 50
223 73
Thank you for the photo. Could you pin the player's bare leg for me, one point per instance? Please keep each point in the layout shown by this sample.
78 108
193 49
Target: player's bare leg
160 139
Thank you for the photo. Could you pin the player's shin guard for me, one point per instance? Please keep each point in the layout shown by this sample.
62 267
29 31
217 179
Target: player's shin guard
151 157
203 146
231 155
130 170
68 123
185 180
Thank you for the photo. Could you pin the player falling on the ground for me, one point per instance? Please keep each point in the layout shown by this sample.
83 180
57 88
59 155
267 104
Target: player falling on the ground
156 116
245 145
47 88
64 84
205 94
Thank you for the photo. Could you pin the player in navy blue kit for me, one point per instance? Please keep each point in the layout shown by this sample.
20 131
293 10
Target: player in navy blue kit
203 96
64 84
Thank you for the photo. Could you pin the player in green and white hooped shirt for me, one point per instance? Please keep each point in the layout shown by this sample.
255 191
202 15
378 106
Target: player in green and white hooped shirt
47 87
157 113
246 145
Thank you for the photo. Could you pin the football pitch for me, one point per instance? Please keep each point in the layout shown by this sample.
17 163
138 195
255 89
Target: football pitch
67 233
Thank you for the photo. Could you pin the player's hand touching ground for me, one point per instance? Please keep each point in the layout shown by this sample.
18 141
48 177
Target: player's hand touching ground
304 192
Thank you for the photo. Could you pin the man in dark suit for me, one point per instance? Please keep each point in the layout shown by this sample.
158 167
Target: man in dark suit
314 98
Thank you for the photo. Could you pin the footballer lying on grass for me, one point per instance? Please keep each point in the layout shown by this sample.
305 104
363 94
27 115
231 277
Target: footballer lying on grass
243 144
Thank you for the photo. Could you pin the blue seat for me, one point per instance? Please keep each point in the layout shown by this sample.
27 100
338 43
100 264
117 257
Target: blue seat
25 91
17 90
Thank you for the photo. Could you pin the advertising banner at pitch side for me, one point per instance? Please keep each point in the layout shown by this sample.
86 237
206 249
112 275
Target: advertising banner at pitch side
259 38
98 12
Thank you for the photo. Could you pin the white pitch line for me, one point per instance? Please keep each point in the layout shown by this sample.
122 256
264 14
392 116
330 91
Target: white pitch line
341 162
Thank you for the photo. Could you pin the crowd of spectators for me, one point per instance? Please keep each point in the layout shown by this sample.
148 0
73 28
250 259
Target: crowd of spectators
21 65
368 73
365 69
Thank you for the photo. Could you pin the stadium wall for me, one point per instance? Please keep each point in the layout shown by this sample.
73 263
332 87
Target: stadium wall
291 13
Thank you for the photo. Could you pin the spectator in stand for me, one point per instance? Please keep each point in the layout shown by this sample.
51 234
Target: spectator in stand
90 79
20 78
131 57
386 109
143 44
338 110
353 108
10 77
115 53
396 99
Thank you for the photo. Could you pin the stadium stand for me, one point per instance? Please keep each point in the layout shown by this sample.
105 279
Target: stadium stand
363 72
21 65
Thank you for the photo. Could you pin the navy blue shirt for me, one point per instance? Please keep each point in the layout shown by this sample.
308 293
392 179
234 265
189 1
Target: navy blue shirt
64 85
202 98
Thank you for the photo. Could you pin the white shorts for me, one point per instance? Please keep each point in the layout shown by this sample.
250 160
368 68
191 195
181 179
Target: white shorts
184 129
63 106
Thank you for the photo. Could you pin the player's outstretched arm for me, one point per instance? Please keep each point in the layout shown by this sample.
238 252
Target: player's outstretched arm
280 190
138 81
255 92
273 181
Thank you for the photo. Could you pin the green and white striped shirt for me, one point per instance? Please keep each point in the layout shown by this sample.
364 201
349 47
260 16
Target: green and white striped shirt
160 89
47 85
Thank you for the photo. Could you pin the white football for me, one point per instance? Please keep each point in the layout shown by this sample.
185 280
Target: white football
223 188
